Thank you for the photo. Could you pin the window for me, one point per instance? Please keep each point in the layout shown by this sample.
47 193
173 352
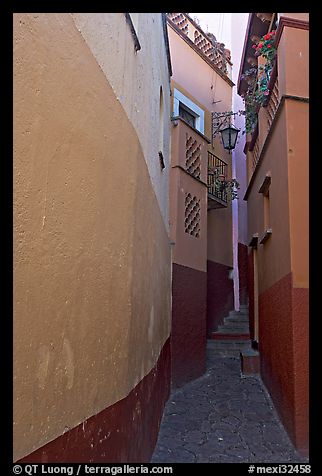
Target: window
187 115
188 110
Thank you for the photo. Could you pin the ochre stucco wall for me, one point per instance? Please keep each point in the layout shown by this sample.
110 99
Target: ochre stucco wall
91 250
136 79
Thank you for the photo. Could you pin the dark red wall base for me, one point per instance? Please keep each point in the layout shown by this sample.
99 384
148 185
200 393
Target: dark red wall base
125 432
220 295
283 346
243 273
188 334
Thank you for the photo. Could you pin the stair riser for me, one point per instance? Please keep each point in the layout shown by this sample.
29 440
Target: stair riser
238 348
230 336
234 328
237 314
241 320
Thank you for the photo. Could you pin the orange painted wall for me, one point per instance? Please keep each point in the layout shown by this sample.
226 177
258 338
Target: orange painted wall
297 116
293 62
275 255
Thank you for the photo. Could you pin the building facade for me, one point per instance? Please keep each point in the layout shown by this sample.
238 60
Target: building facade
200 214
277 201
92 256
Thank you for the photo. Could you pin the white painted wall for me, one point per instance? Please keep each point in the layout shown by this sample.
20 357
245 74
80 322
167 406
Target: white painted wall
136 78
238 30
219 24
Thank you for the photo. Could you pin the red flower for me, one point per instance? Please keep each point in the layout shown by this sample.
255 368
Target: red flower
260 45
267 37
269 45
254 46
273 32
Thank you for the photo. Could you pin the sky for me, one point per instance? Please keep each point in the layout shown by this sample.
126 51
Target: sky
217 23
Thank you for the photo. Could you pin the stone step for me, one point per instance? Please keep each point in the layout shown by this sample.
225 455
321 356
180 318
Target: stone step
229 345
233 329
241 326
227 334
243 306
239 318
241 313
226 353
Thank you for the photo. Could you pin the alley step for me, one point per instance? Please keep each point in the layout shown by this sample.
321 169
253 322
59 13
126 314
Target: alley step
229 335
232 337
242 327
240 314
243 306
228 348
236 319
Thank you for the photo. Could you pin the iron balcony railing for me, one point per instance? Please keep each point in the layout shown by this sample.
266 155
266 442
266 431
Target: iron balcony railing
217 173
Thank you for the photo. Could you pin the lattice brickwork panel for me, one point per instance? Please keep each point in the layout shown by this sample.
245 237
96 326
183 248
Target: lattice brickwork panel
179 20
204 45
219 61
192 215
193 156
210 51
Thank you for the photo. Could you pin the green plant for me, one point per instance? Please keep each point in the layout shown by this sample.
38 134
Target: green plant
258 80
266 46
229 187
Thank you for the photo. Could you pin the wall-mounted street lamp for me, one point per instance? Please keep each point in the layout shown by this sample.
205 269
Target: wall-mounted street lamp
229 137
229 133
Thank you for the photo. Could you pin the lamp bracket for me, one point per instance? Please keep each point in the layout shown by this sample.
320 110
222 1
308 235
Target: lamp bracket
220 119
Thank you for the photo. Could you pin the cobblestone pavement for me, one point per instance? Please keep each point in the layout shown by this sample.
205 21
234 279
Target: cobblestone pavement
223 418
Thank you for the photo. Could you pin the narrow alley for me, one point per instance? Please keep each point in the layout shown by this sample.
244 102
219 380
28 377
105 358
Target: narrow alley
223 417
160 238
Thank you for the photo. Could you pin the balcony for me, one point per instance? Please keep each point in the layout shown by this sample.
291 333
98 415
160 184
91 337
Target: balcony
217 194
265 125
189 150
